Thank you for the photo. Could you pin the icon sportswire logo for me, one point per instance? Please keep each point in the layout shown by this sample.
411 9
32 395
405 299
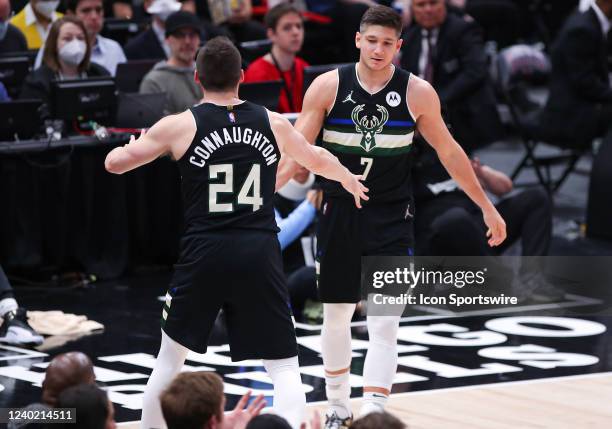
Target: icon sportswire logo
369 125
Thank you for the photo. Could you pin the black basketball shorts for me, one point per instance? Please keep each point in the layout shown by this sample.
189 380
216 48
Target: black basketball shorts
346 233
241 273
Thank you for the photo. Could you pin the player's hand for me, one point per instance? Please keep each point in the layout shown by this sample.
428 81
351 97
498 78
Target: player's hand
240 417
354 186
497 227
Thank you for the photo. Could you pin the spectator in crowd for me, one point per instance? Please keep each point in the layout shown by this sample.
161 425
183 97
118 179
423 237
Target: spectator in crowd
175 77
35 20
447 223
286 31
151 43
15 329
66 56
239 26
295 206
11 38
378 420
196 400
64 371
93 409
105 52
268 421
448 51
579 107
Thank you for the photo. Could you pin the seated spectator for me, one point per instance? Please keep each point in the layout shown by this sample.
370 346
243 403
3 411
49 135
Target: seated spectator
105 52
579 107
11 38
93 409
195 400
64 371
378 420
295 207
66 56
15 329
448 223
35 20
447 50
286 31
151 44
175 77
240 26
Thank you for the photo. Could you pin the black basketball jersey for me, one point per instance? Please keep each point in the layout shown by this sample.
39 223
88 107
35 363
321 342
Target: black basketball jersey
228 174
371 134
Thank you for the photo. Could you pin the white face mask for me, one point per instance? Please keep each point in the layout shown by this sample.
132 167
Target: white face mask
46 8
73 52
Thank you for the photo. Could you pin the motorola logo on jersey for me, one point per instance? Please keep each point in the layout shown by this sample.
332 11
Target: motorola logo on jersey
393 99
369 125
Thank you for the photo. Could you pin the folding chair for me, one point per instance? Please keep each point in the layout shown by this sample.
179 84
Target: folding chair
523 68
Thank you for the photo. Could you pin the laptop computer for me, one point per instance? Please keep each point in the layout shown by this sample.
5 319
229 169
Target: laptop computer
140 110
20 119
266 93
130 74
13 71
311 73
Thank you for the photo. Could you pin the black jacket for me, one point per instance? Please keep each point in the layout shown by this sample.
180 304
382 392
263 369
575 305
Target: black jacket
38 83
460 78
145 46
14 41
579 82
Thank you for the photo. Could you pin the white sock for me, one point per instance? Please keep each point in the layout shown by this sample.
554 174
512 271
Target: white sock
373 402
169 362
7 305
336 351
289 396
381 361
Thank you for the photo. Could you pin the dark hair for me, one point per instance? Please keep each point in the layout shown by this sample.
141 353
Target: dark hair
378 420
383 16
71 5
219 64
91 405
268 421
192 399
277 12
50 52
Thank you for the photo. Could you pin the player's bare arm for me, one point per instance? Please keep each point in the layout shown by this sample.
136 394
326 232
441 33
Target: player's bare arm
425 106
317 101
170 135
314 158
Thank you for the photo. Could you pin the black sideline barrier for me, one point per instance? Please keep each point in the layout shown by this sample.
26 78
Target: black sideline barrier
60 209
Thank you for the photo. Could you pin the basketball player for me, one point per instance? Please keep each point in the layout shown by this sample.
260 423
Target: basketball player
227 152
369 112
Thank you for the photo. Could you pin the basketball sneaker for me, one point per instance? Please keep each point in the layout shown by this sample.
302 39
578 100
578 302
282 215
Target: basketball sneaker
332 421
15 330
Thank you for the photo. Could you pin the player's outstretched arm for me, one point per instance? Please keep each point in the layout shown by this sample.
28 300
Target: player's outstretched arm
319 97
425 105
315 159
151 145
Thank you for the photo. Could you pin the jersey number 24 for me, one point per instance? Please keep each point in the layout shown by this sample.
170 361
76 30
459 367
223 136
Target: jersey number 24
249 194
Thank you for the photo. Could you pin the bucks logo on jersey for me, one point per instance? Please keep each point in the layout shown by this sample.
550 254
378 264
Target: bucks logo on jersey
369 125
